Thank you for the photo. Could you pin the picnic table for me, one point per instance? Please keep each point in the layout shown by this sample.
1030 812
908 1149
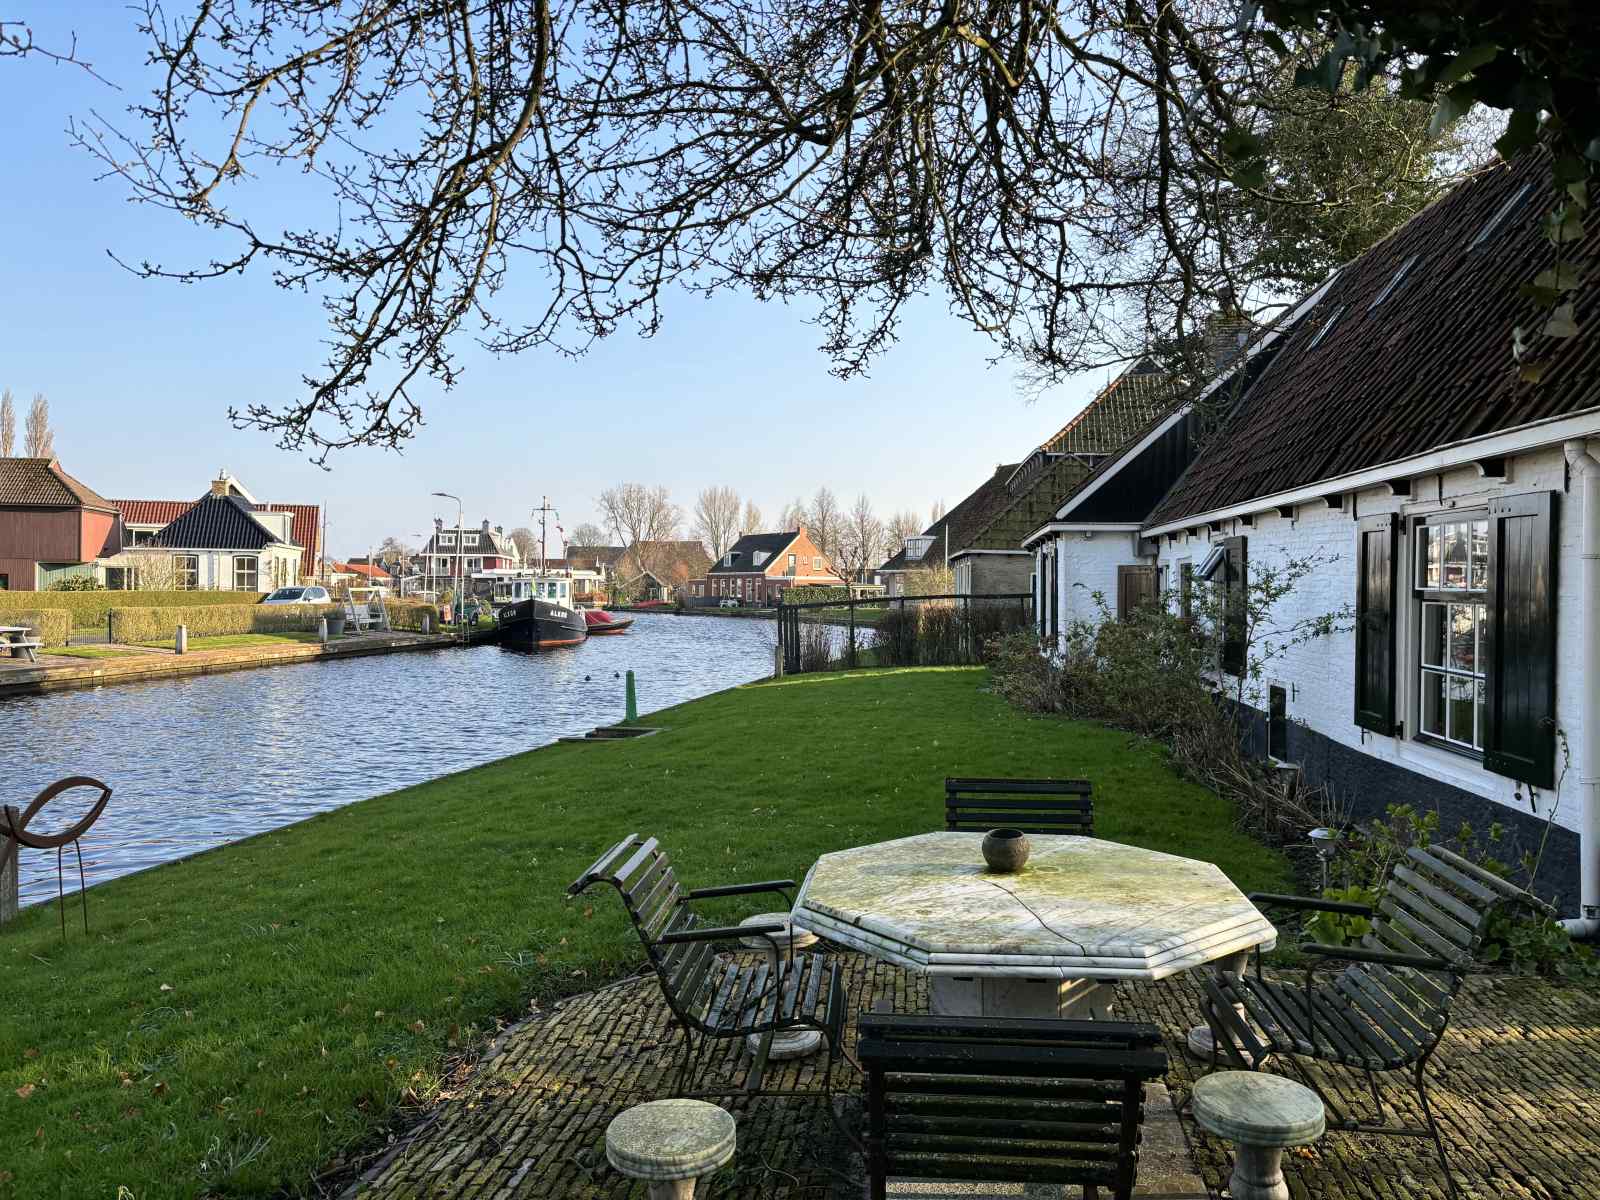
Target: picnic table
16 639
1048 941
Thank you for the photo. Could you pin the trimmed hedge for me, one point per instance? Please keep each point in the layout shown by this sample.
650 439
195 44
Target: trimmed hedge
407 615
88 610
815 593
152 624
52 626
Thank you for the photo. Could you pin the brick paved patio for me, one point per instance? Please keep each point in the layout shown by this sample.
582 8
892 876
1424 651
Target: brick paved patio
1516 1083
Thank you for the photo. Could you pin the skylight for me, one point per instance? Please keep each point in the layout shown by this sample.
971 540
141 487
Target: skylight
1327 325
1394 281
1498 219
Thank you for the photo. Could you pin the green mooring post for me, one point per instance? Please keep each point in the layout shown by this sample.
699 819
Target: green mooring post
633 700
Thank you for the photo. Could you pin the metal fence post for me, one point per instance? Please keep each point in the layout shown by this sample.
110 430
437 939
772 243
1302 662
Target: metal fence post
852 605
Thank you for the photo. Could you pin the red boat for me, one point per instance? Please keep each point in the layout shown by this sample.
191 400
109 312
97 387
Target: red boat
600 622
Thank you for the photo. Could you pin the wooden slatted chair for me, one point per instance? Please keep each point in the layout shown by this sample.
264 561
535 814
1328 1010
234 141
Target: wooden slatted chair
716 997
1031 805
1387 1009
1006 1099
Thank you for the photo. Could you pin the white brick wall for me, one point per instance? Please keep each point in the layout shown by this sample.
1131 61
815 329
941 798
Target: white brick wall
1320 675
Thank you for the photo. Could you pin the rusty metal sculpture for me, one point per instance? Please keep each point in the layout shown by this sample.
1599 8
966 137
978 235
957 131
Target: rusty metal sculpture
14 836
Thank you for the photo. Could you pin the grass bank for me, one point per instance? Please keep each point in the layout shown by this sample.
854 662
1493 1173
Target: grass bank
234 1023
226 641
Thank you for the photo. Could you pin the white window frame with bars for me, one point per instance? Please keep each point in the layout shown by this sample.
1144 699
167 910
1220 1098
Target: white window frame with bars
243 574
1449 587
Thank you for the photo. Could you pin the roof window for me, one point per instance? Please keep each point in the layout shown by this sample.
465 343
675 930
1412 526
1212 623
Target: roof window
1499 217
1395 280
1326 325
916 547
759 557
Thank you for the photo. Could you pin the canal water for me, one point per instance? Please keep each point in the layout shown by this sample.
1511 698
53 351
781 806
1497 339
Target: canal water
201 761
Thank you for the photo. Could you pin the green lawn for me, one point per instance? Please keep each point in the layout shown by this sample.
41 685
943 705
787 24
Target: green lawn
224 641
235 1021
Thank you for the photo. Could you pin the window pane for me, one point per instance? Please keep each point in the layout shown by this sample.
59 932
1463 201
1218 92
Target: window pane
1433 708
1480 555
1463 721
1430 556
1454 538
1463 637
1433 634
1482 695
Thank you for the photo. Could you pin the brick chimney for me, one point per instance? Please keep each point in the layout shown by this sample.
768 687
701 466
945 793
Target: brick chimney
1227 332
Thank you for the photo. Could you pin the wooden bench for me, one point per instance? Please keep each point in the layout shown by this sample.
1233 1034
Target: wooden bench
1031 805
1006 1099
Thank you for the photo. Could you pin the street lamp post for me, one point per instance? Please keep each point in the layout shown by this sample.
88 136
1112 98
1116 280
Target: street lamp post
460 562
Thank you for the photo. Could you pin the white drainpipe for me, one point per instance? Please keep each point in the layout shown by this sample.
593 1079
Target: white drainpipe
1587 924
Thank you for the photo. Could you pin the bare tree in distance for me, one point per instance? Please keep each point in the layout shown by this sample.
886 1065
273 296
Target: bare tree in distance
8 424
936 513
522 538
859 547
638 515
854 156
902 525
37 439
587 534
716 519
794 515
752 517
826 520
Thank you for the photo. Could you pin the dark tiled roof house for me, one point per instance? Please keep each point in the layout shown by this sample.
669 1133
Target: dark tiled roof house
760 567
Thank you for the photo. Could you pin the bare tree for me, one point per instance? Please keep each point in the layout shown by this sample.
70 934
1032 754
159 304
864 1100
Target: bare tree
859 547
902 525
716 519
8 424
522 538
16 41
826 520
640 517
752 517
587 534
38 440
936 513
1060 169
794 514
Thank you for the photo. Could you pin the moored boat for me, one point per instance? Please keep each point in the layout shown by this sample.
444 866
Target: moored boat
543 620
602 622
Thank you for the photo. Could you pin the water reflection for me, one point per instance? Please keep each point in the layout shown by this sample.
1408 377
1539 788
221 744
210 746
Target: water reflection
201 761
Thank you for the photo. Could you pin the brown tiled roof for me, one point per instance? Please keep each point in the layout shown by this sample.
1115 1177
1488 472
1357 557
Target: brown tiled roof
152 512
1365 379
41 483
1122 411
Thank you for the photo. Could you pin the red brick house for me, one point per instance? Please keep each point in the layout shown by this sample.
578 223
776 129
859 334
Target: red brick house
51 526
760 567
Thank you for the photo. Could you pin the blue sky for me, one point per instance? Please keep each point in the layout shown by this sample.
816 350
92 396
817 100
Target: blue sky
140 374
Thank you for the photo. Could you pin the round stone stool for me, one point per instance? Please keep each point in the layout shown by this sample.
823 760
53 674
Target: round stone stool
1260 1114
791 939
671 1143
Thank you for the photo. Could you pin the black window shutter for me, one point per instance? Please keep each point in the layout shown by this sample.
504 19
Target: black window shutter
1235 614
1375 598
1519 644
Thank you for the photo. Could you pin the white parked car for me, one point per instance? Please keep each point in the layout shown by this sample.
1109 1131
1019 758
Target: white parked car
729 602
299 595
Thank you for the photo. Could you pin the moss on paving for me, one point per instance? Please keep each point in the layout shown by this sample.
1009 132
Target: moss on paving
234 1022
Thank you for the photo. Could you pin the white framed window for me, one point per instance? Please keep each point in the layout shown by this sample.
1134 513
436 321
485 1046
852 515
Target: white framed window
186 572
447 539
816 564
1451 589
246 572
469 539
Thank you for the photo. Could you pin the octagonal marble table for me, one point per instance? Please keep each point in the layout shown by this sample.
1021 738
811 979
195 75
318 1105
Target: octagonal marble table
1048 941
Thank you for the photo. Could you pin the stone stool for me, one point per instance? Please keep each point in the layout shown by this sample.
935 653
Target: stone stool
671 1143
791 939
1260 1114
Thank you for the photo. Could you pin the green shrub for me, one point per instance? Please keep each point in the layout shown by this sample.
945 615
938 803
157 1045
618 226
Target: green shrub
89 609
77 583
132 625
815 593
408 614
50 625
